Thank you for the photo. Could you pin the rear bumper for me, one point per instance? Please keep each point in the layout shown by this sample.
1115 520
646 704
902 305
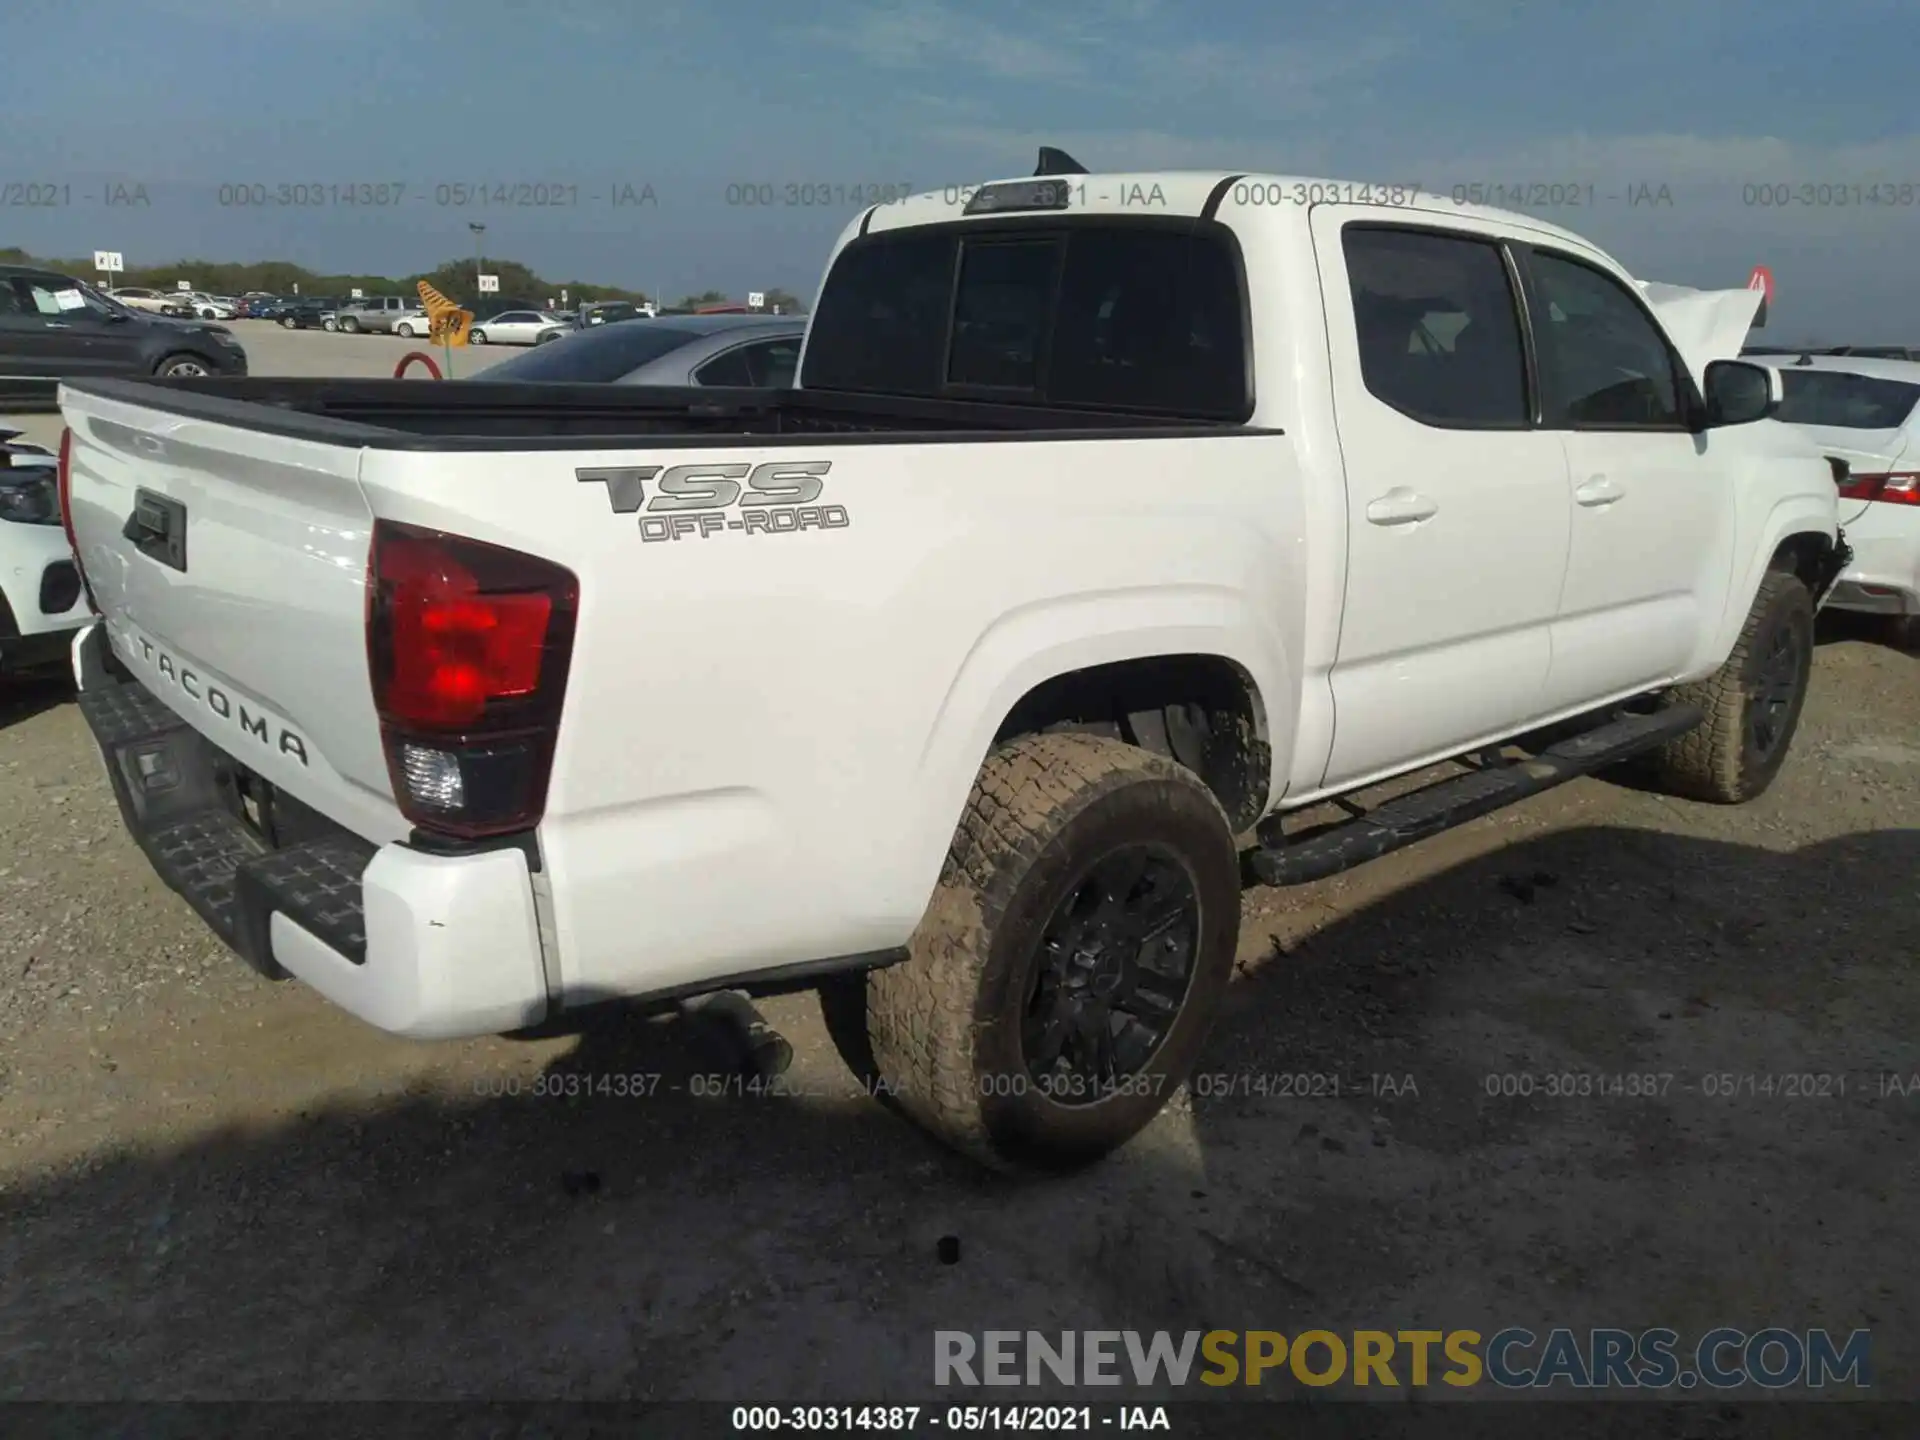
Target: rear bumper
40 590
427 946
1884 576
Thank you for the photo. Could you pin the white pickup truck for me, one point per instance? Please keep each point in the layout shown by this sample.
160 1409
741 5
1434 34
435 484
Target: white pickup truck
1112 518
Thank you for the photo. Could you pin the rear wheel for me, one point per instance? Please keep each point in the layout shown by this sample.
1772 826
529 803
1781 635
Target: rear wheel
403 330
1076 948
1752 702
287 322
1903 632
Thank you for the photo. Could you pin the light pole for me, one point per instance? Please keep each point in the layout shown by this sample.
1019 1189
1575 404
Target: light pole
478 264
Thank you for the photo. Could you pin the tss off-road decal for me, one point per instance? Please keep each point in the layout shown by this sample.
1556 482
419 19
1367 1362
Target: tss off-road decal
776 498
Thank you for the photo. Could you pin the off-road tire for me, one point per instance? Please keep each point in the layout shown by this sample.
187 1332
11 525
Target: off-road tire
1720 761
944 1026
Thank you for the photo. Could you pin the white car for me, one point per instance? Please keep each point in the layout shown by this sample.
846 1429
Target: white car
514 327
211 307
160 302
1085 543
42 601
1867 412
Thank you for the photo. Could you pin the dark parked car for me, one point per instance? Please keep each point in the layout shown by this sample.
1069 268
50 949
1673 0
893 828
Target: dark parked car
54 327
758 351
605 312
295 312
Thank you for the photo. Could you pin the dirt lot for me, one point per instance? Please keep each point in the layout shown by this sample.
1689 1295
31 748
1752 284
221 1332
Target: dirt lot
215 1186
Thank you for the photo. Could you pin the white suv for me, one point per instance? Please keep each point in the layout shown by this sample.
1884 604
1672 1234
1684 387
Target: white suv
1866 412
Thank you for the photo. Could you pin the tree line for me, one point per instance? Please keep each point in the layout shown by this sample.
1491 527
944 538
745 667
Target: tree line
456 279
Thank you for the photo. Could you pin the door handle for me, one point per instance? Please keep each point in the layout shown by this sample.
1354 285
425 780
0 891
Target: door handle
1401 506
58 325
1598 491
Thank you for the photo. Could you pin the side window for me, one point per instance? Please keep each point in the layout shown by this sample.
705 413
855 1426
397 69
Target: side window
772 364
1603 362
1438 328
730 368
16 298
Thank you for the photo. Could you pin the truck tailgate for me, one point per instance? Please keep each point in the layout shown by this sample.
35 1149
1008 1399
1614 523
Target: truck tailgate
230 566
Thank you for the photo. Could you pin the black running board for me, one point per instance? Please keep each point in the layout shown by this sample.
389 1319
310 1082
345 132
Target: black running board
1446 803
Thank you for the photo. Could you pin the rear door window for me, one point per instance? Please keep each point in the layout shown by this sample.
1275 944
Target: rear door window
1437 326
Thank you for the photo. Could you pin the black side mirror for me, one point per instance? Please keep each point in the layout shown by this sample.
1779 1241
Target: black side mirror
1738 392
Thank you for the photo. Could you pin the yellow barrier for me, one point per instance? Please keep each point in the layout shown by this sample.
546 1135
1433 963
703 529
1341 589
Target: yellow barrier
447 323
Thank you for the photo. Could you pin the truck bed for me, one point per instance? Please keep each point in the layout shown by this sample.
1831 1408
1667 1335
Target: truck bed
483 415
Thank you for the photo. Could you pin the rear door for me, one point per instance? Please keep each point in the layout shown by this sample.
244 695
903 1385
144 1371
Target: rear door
1457 507
1651 550
1861 419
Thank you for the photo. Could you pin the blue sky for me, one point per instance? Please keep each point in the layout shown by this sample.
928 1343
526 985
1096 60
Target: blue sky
1704 97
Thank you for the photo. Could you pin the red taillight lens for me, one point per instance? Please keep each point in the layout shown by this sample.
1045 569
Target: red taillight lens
452 648
468 645
1898 487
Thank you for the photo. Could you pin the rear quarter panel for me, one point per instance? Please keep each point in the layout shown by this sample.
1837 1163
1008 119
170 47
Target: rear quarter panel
769 737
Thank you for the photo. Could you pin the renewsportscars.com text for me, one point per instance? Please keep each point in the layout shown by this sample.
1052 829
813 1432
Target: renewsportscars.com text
1514 1358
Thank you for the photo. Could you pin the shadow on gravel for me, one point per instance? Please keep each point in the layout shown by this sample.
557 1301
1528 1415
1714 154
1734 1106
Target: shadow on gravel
24 696
1834 626
1544 1088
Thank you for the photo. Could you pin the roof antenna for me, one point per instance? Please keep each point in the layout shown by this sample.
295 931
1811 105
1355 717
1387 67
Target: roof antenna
1058 162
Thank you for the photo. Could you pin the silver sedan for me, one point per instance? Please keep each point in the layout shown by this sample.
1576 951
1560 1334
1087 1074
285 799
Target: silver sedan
511 327
757 351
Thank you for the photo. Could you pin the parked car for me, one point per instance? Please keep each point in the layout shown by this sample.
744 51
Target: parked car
1177 523
737 350
1864 352
42 601
514 327
382 315
211 307
139 297
301 312
605 312
1866 412
54 327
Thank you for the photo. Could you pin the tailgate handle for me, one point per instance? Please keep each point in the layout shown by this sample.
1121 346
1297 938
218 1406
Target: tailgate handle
158 528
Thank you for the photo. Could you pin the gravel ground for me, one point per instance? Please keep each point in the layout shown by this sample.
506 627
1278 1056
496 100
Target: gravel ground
213 1186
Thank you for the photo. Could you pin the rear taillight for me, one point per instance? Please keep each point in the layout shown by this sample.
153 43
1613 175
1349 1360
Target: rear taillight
65 474
468 646
1898 487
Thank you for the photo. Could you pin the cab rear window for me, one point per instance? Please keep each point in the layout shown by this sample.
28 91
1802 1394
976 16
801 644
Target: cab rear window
1085 315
